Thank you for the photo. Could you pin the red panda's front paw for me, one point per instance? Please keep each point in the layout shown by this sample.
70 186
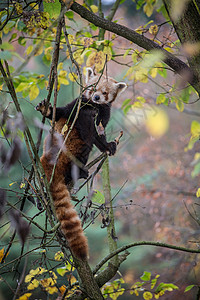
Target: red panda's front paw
112 147
42 108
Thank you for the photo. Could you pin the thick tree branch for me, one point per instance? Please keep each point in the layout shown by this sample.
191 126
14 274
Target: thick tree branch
143 243
176 64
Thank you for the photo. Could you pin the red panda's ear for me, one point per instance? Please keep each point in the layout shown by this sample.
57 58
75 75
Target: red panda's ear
121 87
89 74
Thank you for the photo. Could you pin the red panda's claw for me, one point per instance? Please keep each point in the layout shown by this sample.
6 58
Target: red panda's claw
112 148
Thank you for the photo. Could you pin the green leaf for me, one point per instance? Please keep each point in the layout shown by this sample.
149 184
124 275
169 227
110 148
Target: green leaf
166 287
22 86
188 288
7 46
61 271
69 14
180 105
53 9
127 108
195 129
146 276
196 170
126 102
93 27
160 99
13 36
22 41
98 197
20 26
9 26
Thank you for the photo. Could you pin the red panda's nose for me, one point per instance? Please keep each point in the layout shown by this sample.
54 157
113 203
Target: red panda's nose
96 97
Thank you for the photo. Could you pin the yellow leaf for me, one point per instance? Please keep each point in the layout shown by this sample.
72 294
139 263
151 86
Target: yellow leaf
38 50
28 278
33 285
52 290
21 87
18 8
47 282
157 123
198 193
62 80
53 275
64 129
141 75
71 279
87 42
62 289
59 256
10 184
153 72
73 76
79 58
33 92
94 8
129 72
96 59
195 129
148 9
153 29
160 99
25 296
1 254
29 49
22 185
63 73
69 267
70 38
140 29
108 52
168 49
147 295
37 271
60 66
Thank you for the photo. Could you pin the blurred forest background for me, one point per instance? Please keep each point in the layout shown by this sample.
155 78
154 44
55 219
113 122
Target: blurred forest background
154 175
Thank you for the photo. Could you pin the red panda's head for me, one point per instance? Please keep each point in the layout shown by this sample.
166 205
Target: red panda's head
102 89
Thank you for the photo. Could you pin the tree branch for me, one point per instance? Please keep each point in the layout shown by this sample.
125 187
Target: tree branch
142 243
176 64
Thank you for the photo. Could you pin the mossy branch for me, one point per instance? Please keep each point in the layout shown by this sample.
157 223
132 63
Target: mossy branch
112 243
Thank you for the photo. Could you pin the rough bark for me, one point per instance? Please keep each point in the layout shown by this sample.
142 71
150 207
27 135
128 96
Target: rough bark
187 27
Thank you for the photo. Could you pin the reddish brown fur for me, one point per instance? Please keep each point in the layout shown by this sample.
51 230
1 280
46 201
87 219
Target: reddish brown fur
66 214
107 89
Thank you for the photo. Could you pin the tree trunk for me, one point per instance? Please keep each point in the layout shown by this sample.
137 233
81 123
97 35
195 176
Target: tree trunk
187 27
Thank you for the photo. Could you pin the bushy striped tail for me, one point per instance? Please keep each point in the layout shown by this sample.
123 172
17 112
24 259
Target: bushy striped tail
70 221
66 214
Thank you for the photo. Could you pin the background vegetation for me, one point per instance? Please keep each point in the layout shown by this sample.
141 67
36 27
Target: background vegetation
143 203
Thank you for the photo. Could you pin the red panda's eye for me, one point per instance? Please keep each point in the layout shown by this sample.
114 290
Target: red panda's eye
104 93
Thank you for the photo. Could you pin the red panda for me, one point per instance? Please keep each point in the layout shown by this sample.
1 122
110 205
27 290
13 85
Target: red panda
96 101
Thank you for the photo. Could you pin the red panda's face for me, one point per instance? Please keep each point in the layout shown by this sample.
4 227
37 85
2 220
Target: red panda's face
102 89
